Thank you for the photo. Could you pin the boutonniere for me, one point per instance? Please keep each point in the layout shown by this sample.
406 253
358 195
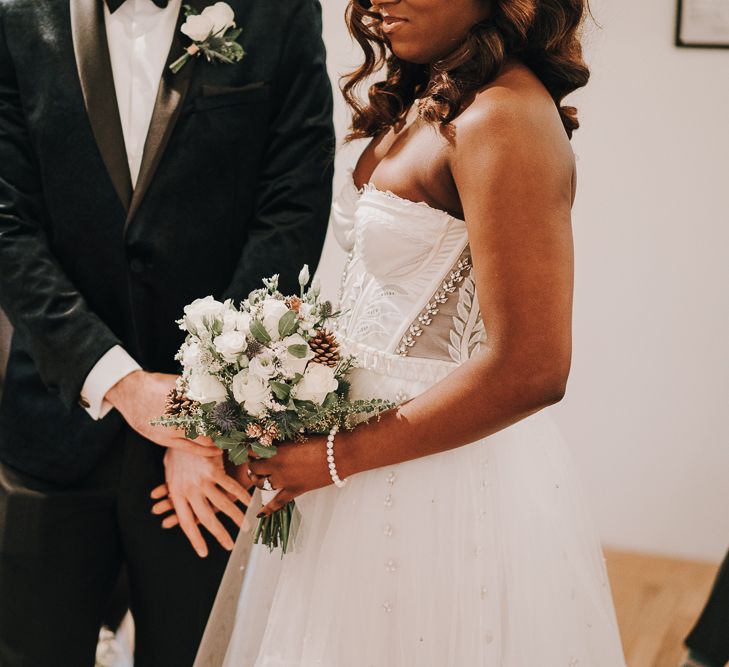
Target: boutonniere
213 34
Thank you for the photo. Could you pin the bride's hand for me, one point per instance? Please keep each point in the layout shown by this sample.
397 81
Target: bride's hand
296 468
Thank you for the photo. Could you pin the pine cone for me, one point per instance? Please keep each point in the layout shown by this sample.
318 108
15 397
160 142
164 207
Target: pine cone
325 347
178 404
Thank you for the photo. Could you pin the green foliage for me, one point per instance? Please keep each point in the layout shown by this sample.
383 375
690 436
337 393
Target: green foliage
287 324
299 351
263 451
280 390
258 331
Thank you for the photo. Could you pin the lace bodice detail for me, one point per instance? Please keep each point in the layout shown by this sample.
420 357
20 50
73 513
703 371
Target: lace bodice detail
407 287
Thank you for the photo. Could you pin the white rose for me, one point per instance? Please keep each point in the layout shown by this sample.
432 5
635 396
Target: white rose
204 388
292 363
262 366
202 311
230 345
221 15
198 27
317 382
252 392
273 311
304 276
234 320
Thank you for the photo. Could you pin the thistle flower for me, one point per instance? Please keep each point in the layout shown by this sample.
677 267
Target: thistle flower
225 415
254 347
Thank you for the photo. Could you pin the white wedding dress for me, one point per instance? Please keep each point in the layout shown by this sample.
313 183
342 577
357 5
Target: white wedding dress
480 556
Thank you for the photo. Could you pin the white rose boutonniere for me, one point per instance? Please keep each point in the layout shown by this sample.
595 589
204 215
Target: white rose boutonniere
213 33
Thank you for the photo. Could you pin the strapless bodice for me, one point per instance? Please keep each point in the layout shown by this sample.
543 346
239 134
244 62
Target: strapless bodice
407 263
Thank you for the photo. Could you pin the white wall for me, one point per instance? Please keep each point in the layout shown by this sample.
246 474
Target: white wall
647 412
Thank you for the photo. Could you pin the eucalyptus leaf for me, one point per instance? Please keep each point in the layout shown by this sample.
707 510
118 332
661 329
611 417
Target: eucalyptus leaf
280 390
298 351
287 324
258 331
263 451
226 443
239 456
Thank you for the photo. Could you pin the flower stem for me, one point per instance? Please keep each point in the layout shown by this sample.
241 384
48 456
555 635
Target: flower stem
179 63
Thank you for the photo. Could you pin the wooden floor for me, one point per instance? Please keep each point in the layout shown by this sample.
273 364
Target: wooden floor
657 601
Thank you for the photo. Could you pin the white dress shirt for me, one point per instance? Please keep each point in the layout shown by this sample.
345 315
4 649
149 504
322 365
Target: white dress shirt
139 35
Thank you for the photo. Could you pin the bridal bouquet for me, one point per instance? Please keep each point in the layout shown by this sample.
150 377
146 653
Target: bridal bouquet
265 372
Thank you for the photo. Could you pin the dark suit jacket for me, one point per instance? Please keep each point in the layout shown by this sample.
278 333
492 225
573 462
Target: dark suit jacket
235 185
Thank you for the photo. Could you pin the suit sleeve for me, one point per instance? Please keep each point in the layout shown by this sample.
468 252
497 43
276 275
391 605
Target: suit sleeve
64 338
295 185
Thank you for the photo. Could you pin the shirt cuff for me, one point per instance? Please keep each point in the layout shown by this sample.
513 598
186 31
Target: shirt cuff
112 367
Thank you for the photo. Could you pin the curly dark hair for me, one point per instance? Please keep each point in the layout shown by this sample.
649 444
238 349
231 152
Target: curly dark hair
542 34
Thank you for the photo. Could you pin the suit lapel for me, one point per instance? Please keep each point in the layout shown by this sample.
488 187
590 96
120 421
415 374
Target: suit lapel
97 84
170 98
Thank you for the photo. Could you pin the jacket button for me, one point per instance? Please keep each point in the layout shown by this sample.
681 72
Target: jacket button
136 265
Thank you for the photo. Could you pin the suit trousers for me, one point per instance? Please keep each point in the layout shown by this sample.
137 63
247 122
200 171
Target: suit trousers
62 549
710 636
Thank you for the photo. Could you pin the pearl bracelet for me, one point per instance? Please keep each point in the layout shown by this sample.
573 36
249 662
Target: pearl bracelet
339 483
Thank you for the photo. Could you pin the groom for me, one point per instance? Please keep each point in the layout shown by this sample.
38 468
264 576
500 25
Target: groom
127 191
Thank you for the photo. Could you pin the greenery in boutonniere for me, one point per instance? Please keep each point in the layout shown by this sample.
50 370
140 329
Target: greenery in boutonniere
213 33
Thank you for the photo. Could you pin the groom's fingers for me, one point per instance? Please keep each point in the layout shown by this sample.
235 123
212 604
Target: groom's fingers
204 441
162 507
160 492
221 501
235 489
193 447
207 518
189 526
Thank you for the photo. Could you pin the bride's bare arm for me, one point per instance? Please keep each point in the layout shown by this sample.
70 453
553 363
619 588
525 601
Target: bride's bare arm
513 171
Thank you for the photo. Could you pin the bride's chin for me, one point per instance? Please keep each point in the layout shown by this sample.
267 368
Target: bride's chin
415 54
409 55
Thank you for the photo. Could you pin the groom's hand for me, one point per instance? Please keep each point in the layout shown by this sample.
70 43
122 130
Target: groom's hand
140 398
196 489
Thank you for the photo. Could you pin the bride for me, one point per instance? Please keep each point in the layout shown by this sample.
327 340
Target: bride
460 537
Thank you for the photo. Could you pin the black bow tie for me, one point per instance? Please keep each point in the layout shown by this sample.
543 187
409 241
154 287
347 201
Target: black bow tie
115 4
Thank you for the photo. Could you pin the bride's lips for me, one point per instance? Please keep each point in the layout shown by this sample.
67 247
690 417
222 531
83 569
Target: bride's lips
392 23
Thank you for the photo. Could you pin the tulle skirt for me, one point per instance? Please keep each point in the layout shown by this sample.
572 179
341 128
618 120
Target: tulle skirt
484 555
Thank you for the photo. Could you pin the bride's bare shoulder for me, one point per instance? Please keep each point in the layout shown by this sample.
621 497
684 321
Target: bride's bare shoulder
514 110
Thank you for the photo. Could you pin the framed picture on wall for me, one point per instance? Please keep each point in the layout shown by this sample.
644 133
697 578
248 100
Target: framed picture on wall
703 24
